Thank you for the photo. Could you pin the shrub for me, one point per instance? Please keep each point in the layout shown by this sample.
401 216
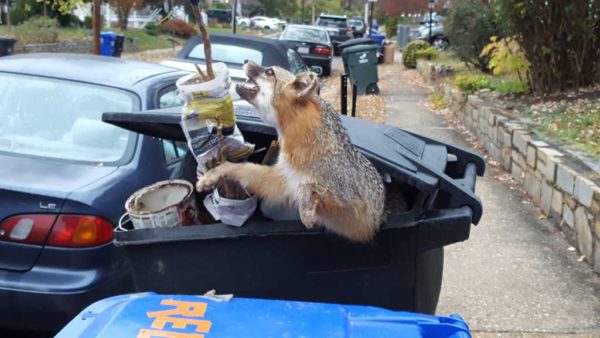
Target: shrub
68 20
438 100
152 29
409 54
514 86
470 82
37 30
427 53
506 57
89 23
390 26
561 41
17 15
470 25
178 27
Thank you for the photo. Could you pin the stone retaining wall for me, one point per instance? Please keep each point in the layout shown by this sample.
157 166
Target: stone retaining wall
79 47
562 192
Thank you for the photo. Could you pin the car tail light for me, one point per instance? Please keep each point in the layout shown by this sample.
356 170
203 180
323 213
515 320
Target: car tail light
30 229
322 51
80 231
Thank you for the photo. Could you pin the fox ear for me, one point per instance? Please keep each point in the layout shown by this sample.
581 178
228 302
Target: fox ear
306 85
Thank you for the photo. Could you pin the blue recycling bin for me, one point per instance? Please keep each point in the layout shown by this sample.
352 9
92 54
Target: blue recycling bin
107 43
151 315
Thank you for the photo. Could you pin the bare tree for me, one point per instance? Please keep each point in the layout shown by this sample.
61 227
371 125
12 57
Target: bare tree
123 8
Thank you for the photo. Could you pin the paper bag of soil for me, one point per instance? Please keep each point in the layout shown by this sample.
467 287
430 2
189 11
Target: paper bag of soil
207 105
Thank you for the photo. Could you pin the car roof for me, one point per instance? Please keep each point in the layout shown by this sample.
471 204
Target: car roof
274 51
103 70
333 16
307 26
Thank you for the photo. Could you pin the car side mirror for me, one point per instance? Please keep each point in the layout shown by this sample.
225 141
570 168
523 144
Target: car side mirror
317 70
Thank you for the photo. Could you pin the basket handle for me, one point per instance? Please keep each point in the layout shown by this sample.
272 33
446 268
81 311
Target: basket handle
122 220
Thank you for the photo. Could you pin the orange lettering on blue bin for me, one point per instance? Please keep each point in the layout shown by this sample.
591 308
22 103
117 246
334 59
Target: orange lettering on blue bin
147 333
181 308
188 309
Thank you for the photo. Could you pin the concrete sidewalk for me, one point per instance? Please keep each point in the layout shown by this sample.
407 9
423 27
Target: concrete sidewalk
515 276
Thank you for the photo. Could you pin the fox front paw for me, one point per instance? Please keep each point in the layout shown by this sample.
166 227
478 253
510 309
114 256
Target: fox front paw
308 217
212 177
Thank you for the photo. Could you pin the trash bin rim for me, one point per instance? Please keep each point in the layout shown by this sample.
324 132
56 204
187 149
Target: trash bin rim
360 48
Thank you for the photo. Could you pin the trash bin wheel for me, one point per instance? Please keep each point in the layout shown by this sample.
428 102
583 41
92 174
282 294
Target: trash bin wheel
373 89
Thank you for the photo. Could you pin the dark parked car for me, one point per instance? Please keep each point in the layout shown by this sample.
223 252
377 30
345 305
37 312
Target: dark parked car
220 15
338 28
234 50
65 176
312 43
358 26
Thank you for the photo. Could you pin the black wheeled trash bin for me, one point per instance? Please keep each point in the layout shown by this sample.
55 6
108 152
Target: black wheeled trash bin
430 200
7 45
119 44
362 68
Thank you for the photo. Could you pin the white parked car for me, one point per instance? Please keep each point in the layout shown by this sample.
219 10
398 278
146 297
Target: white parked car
243 22
263 22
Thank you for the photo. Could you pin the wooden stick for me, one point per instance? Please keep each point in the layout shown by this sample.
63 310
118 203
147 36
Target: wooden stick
205 41
200 72
272 152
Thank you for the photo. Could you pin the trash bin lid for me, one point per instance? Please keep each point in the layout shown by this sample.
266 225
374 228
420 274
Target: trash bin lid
111 35
7 38
354 42
152 315
360 48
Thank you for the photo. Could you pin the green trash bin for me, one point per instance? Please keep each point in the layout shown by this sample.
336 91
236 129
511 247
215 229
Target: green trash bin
361 63
351 43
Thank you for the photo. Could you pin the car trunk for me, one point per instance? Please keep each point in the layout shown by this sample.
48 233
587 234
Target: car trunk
304 48
429 198
36 188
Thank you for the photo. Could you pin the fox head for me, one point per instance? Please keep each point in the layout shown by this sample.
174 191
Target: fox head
273 89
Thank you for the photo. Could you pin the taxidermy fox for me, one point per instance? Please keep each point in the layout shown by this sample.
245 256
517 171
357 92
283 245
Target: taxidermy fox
318 170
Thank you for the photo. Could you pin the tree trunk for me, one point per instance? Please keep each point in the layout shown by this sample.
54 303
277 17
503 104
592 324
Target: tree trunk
123 16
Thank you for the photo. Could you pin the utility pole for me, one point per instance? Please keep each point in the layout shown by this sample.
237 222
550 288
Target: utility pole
371 2
97 23
234 16
302 11
430 4
313 12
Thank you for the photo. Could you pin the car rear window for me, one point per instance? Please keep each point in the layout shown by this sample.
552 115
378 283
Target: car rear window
333 22
62 119
305 34
228 54
354 22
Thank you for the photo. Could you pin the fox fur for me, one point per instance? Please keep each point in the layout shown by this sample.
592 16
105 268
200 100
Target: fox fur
318 170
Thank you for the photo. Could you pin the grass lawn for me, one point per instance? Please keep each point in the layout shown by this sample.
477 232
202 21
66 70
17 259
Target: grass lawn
575 123
145 41
4 30
148 42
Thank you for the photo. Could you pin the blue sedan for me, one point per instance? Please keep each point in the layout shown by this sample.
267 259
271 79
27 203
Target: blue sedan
65 175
